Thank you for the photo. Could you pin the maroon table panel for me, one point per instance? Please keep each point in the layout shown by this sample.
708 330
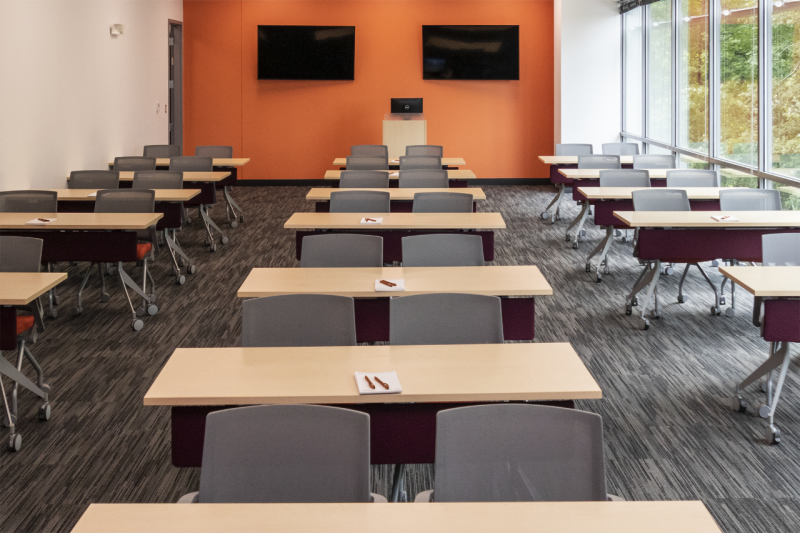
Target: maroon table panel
171 211
8 328
90 246
698 245
782 320
604 210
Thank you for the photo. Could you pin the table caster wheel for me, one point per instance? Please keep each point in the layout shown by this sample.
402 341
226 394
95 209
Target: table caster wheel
668 271
105 298
682 299
224 240
598 278
617 233
44 412
241 219
180 280
715 311
772 434
635 301
730 312
77 311
6 423
628 309
575 245
56 299
14 442
721 300
152 309
54 313
234 223
655 315
569 238
191 269
545 215
714 263
137 324
763 410
588 267
738 404
214 247
140 310
644 324
625 240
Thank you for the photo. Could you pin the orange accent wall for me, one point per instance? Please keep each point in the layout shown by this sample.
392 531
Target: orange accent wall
294 129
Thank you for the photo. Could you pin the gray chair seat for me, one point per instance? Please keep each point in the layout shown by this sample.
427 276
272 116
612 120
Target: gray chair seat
342 250
442 202
442 250
360 202
445 318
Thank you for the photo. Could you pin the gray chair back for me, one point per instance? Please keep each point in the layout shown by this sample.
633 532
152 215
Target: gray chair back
624 178
518 453
425 149
367 162
574 149
286 454
749 200
299 320
661 200
360 202
162 150
191 163
411 162
442 250
442 202
369 179
621 149
125 201
780 249
654 161
20 254
133 163
223 152
423 179
28 202
342 250
157 179
692 178
93 179
379 150
599 161
445 318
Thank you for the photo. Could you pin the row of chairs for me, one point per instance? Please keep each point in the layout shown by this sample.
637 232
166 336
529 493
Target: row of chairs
588 149
648 161
408 162
380 202
381 150
376 179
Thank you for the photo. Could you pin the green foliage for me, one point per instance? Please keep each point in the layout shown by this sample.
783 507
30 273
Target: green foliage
739 52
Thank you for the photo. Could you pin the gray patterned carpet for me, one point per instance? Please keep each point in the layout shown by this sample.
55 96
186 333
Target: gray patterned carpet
668 431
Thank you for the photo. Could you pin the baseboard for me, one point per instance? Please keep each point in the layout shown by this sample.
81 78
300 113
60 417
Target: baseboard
327 183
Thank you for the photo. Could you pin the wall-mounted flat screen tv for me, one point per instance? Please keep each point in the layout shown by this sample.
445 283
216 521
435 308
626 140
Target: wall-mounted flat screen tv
470 52
306 52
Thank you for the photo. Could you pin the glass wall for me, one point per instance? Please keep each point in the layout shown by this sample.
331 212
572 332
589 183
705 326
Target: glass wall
632 51
790 197
786 88
659 70
693 83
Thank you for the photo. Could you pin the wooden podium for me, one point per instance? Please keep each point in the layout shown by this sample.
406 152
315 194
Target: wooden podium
404 129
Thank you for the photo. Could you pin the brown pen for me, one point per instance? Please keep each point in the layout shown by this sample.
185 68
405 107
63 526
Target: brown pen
371 385
369 219
44 220
388 283
385 386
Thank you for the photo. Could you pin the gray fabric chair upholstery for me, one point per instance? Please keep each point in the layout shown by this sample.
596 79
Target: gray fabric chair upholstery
223 152
28 202
162 150
412 162
621 149
518 453
20 254
299 320
654 161
599 161
379 150
367 162
93 179
364 179
442 202
780 249
574 149
442 250
342 250
749 200
189 163
157 179
133 163
661 200
624 178
360 202
423 179
692 178
128 201
285 454
425 149
445 318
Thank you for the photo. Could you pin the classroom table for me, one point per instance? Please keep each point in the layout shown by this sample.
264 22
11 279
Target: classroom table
372 308
778 288
573 159
663 238
447 163
457 178
197 381
395 226
401 199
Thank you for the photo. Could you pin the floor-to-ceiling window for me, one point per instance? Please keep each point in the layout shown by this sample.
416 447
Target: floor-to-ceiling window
659 70
632 57
785 24
693 73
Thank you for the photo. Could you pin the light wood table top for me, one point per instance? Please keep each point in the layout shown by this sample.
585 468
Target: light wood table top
516 517
573 159
594 173
80 221
766 281
204 177
324 193
446 161
460 174
702 219
625 193
360 282
217 162
162 195
396 221
21 288
325 375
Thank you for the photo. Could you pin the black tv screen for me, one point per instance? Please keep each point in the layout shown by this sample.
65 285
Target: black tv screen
470 52
306 52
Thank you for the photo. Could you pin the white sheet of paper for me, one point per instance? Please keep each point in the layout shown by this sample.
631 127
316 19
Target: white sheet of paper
394 161
37 222
377 220
93 194
724 218
390 378
394 175
380 287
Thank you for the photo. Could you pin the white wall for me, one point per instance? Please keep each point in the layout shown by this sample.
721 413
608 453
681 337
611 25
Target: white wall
587 71
71 96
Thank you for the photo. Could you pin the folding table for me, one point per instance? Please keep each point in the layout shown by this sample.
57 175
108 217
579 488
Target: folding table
457 178
401 199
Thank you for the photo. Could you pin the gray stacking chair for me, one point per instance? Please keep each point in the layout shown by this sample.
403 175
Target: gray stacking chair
442 202
299 320
599 161
692 178
380 150
21 254
518 453
425 149
429 178
233 213
93 179
621 149
163 151
200 164
654 161
342 250
363 179
445 318
285 454
412 162
442 250
624 178
222 152
360 202
367 162
574 149
560 182
133 163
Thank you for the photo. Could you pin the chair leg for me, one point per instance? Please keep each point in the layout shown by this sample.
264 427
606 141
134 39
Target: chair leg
397 482
79 307
104 297
715 310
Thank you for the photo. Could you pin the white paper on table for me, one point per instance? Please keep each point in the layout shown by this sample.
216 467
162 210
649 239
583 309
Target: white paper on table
725 218
390 378
399 285
372 221
394 175
394 161
93 194
37 222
